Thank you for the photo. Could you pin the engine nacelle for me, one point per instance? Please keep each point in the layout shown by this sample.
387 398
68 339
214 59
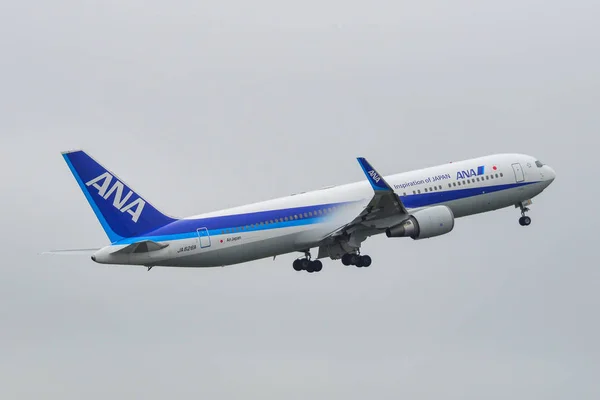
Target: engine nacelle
423 224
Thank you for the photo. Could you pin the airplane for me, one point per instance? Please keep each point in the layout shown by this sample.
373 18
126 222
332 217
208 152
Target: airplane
335 220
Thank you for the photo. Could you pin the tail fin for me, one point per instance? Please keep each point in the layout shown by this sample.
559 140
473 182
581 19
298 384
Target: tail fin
121 211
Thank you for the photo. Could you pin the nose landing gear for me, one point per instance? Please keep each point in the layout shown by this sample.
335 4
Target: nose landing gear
524 220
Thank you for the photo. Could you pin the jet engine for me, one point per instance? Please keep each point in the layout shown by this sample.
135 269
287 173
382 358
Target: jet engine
425 223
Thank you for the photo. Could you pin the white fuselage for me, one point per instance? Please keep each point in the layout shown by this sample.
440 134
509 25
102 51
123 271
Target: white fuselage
466 187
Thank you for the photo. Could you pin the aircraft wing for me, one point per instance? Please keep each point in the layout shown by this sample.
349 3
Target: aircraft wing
384 210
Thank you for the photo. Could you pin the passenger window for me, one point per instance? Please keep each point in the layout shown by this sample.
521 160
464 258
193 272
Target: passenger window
310 213
329 210
418 191
425 190
487 177
320 212
454 184
496 175
414 192
305 215
449 185
458 183
501 174
404 194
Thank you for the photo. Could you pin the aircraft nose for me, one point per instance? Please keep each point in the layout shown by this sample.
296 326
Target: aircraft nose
549 173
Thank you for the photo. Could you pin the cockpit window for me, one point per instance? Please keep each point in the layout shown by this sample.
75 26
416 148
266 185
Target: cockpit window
539 164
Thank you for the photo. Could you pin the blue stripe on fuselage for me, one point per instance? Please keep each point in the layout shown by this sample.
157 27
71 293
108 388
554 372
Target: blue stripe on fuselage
232 224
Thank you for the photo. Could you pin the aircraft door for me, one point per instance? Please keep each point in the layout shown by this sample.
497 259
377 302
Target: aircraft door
519 176
203 237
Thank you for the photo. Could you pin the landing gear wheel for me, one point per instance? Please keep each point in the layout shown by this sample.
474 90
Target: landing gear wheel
347 259
316 265
305 264
365 261
354 259
297 265
525 221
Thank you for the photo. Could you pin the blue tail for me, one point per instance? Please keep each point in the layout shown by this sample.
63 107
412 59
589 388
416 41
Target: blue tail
121 211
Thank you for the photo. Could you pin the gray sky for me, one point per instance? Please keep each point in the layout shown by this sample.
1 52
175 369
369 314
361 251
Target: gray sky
205 105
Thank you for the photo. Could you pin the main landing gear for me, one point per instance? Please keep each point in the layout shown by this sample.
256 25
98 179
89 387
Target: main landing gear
357 260
308 265
524 220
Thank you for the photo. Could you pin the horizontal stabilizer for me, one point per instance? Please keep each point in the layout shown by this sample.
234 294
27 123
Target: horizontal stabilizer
145 246
72 252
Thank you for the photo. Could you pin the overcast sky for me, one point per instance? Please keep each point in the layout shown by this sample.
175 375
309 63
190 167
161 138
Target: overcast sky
206 105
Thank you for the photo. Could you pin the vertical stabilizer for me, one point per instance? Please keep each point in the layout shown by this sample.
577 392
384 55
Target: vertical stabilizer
121 211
